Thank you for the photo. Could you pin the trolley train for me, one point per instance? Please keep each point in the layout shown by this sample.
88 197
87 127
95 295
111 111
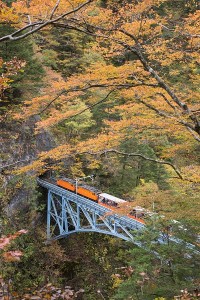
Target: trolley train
138 213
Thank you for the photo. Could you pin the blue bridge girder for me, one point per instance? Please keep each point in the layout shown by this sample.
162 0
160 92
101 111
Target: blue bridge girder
69 213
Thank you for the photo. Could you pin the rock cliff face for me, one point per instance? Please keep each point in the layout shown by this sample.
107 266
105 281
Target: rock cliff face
19 146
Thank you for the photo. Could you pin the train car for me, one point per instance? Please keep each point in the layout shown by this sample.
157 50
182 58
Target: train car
82 189
86 191
138 213
66 184
109 200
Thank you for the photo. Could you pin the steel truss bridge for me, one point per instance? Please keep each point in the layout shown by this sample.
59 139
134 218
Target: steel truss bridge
69 213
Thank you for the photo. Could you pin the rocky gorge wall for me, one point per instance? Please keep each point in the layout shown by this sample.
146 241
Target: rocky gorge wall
19 146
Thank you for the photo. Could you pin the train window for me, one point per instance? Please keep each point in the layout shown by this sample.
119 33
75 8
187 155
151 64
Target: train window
101 199
107 201
111 203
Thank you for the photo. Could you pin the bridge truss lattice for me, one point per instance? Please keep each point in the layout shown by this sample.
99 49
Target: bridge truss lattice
69 213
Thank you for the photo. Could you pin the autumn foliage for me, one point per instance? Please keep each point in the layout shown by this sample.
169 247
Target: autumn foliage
119 97
5 241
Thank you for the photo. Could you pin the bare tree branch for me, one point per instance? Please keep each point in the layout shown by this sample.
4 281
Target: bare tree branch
159 112
90 86
52 101
163 114
91 106
39 25
72 5
103 152
54 9
167 101
197 138
162 162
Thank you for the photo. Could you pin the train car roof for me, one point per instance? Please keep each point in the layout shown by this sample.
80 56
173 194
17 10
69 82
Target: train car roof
81 184
67 179
112 198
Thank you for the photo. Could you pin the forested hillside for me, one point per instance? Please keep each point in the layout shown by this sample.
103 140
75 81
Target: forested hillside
108 88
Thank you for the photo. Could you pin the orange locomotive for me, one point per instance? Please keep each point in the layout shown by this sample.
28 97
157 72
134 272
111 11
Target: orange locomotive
104 199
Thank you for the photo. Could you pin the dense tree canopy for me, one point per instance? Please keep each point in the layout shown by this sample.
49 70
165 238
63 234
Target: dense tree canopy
116 84
147 61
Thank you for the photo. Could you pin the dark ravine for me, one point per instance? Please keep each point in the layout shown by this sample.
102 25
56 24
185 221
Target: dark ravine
20 145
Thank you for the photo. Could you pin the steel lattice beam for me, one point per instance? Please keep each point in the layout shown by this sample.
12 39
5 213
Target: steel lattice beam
69 213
